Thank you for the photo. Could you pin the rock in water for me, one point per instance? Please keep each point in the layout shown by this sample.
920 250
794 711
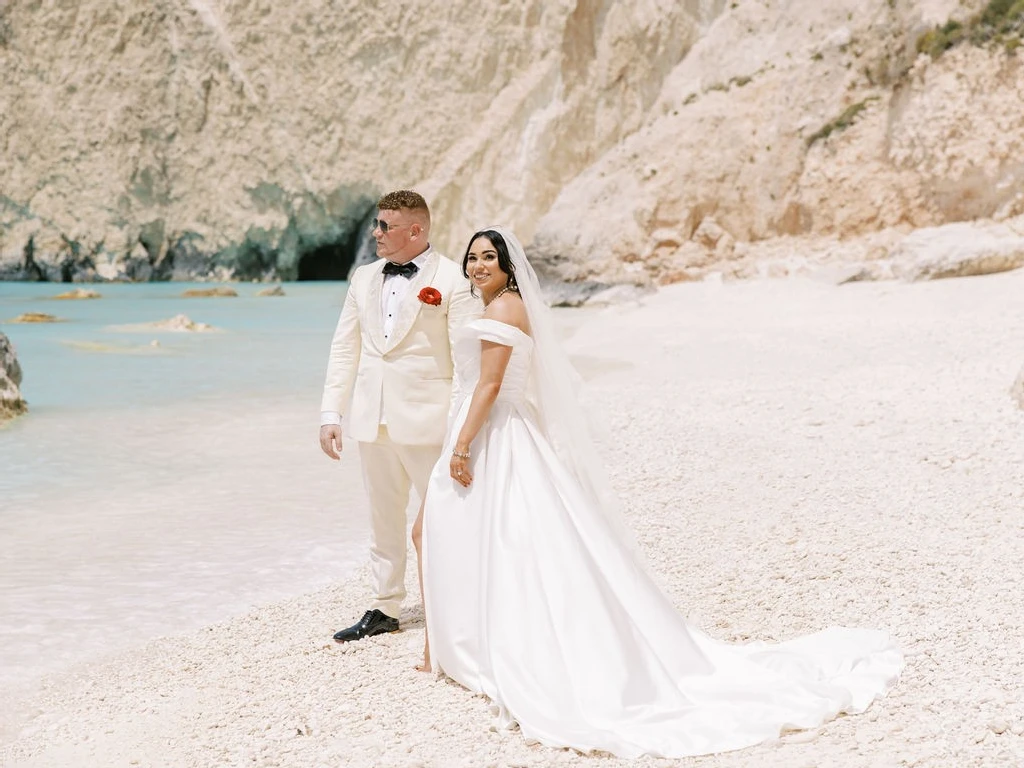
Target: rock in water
11 402
35 317
180 323
276 290
198 293
78 293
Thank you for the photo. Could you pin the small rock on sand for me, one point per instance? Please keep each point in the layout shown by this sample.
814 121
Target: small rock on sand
1017 390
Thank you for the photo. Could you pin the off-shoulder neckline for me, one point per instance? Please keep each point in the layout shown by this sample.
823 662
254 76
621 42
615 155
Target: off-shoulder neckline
515 328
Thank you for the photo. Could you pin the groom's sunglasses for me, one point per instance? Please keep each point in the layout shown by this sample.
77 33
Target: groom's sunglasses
383 226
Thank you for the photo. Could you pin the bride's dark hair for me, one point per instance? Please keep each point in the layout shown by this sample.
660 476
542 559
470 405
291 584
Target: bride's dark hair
504 260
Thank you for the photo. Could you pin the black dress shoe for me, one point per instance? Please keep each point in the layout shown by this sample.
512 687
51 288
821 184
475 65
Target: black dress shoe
373 623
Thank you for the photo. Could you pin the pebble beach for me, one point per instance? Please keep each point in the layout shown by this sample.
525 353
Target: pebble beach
792 455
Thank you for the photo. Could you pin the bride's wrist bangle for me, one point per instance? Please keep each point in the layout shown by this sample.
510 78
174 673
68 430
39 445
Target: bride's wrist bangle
457 454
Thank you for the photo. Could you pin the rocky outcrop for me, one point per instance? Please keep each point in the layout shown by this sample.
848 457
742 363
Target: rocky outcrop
275 290
11 402
959 250
630 142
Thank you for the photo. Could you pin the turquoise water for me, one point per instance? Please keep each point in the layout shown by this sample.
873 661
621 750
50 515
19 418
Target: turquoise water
268 347
152 489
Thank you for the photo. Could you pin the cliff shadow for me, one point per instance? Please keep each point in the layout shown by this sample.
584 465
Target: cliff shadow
335 260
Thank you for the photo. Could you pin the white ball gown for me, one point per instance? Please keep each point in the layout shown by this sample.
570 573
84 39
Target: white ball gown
535 601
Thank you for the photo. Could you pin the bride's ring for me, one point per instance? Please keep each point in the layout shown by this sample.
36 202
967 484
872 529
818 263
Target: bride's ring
458 471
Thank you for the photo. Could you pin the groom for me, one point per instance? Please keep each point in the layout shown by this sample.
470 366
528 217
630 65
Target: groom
389 379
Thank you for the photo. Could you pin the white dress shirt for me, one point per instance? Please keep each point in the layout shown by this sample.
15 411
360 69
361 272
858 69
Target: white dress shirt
394 292
395 289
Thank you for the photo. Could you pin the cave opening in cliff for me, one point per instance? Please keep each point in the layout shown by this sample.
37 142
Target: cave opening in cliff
330 261
333 258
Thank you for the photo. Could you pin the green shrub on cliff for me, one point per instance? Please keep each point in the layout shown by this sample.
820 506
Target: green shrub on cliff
937 41
842 122
1001 23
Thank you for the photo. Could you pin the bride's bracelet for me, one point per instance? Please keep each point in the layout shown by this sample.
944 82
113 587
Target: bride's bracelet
458 455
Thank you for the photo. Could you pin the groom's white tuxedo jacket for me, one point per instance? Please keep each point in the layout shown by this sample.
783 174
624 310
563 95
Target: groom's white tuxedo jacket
406 379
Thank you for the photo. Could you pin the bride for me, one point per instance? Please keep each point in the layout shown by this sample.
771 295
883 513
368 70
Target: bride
536 594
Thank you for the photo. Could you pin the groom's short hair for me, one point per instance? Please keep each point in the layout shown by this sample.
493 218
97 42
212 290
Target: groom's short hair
404 198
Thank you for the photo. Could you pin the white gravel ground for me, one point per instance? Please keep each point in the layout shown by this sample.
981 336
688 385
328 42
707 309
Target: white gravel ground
792 455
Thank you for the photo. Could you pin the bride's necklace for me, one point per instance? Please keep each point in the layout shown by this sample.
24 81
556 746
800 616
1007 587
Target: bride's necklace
503 290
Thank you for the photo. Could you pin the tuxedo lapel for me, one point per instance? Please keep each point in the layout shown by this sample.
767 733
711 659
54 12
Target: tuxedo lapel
411 304
374 322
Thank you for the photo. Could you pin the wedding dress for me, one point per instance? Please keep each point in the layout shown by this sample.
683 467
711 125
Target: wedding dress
536 598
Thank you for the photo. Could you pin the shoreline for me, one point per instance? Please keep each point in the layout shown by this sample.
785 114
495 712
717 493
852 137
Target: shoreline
791 456
182 518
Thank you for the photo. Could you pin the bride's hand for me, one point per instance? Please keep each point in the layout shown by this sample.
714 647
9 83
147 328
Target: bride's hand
459 469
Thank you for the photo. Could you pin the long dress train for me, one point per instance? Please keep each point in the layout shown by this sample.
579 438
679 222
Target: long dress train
532 600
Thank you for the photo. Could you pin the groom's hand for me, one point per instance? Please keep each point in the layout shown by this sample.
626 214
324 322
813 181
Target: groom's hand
330 440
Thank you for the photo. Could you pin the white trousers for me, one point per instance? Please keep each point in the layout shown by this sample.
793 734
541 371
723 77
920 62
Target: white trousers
390 470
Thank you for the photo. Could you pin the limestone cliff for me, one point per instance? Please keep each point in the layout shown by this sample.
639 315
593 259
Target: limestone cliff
158 139
639 141
810 120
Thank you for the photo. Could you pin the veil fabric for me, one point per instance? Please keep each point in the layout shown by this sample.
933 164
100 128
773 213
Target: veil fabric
556 392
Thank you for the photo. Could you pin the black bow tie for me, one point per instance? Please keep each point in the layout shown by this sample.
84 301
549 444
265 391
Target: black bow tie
405 270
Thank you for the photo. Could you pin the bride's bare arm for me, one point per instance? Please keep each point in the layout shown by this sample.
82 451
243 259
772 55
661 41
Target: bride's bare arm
493 362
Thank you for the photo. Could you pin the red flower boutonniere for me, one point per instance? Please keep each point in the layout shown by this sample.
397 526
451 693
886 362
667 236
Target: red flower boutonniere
430 296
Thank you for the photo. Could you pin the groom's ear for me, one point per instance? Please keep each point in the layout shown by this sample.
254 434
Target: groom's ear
419 225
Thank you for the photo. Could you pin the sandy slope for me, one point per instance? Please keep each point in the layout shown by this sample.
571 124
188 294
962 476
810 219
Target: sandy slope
792 455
